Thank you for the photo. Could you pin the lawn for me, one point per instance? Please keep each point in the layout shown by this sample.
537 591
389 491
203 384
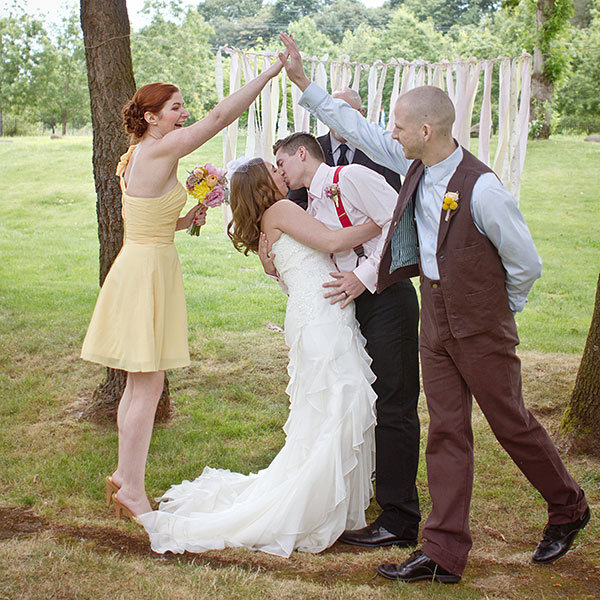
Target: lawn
57 540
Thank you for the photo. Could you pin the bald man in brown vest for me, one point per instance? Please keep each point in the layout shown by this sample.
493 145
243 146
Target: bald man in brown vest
478 264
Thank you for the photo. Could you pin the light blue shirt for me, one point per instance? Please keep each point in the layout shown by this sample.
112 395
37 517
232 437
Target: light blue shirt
495 211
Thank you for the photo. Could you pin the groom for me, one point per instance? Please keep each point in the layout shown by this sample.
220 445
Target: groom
388 321
338 151
478 264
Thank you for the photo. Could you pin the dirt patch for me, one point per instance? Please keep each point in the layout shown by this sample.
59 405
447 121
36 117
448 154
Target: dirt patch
513 575
16 522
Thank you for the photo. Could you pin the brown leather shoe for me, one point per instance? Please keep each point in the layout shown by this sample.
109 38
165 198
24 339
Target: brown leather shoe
418 567
557 539
375 535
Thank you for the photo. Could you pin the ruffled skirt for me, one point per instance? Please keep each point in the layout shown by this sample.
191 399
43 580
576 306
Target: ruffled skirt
317 486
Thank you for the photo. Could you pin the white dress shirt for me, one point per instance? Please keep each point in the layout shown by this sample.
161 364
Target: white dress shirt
365 195
495 211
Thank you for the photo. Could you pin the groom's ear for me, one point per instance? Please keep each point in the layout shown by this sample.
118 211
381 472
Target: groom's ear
302 152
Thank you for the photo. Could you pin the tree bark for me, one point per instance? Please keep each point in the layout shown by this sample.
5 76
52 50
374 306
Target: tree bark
106 31
542 87
581 420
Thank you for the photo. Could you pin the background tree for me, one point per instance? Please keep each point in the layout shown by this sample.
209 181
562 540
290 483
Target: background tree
21 47
578 97
105 26
581 420
238 23
60 80
550 56
448 13
286 11
178 52
335 19
229 9
312 41
582 13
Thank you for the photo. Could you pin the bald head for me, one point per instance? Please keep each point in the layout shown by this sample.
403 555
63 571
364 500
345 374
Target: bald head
350 96
428 104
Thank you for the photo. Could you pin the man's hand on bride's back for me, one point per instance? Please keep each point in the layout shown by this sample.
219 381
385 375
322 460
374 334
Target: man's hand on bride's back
266 258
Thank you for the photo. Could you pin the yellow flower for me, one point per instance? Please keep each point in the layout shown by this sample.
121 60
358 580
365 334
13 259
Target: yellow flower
450 203
200 191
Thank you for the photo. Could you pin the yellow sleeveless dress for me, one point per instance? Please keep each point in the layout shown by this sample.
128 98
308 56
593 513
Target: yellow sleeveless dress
140 319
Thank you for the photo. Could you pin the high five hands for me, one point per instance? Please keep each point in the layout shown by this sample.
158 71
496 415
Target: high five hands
292 61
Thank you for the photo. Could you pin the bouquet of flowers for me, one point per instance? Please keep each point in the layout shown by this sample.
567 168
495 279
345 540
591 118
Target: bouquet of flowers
208 185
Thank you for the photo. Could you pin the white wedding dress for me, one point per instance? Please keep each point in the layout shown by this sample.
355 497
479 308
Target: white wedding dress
320 482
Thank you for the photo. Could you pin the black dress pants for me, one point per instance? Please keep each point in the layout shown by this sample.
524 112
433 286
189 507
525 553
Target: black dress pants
389 322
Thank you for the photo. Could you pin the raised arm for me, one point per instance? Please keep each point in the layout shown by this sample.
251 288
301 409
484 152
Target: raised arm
373 140
288 217
181 142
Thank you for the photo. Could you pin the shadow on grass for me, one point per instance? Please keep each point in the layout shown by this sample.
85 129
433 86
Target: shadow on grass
513 575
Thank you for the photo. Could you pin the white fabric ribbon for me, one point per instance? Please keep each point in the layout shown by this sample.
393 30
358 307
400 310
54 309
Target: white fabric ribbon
485 118
267 116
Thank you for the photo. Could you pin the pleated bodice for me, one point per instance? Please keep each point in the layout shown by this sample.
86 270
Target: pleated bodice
152 221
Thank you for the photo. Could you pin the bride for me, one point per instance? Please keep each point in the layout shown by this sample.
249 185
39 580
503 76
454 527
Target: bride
318 485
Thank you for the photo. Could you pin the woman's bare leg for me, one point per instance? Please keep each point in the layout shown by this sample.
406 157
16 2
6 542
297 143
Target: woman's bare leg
124 405
135 430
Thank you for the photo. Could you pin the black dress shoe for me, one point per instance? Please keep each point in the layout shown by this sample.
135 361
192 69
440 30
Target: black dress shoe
558 539
375 535
418 567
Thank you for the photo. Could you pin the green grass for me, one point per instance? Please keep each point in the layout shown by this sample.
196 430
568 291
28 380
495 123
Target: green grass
560 199
230 403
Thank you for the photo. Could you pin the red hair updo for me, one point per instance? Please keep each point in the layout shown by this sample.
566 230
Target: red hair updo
151 97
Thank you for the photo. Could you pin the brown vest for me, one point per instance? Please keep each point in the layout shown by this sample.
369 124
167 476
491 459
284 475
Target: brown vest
471 273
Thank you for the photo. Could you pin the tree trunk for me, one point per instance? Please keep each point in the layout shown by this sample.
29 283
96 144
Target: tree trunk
106 31
542 87
581 420
0 121
64 122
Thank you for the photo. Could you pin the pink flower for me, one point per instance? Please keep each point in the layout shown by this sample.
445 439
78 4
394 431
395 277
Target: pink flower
191 181
211 169
215 197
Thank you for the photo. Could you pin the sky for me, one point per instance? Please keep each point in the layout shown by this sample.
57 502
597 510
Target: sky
53 9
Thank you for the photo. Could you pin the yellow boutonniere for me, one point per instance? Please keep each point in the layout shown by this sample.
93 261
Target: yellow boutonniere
450 203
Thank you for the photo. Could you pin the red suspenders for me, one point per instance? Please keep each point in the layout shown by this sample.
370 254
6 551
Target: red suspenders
339 208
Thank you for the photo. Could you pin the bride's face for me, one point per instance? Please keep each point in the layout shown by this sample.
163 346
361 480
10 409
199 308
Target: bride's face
277 178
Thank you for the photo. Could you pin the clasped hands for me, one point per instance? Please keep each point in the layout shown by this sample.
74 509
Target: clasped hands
344 288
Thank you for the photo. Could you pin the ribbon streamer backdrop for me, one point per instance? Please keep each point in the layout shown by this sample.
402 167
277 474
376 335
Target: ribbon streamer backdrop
268 118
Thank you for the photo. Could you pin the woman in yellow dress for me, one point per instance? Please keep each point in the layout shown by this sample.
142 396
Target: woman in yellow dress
139 323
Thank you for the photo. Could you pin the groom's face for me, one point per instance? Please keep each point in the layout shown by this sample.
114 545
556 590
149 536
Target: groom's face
291 168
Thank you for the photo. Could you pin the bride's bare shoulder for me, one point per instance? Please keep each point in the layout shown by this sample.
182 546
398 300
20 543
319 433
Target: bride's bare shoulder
282 207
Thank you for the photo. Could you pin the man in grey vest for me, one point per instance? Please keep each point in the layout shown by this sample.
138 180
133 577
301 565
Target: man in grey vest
478 264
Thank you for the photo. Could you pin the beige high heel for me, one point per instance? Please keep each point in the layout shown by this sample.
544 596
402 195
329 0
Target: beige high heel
111 488
121 510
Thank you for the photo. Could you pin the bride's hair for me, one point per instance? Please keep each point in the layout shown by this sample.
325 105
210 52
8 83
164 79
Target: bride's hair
252 191
150 97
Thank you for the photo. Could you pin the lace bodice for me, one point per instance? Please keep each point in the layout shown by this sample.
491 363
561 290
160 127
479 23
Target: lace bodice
304 270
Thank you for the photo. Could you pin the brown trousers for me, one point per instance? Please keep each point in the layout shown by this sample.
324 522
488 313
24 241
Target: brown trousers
485 366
